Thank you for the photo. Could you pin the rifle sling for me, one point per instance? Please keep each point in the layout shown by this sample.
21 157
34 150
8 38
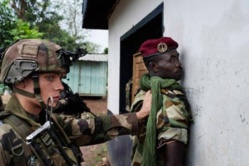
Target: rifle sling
23 129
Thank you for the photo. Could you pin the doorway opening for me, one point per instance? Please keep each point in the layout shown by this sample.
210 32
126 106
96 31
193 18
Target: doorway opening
151 26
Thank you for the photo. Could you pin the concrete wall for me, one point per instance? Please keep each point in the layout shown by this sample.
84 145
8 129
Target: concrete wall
214 46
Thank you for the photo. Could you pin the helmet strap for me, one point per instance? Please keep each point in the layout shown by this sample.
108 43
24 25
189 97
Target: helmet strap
37 89
24 93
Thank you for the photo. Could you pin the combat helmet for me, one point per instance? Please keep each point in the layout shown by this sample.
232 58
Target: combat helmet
28 58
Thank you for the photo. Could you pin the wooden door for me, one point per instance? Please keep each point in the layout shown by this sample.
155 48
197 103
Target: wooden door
138 70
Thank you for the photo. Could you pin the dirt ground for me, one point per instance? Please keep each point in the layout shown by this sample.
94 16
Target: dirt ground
97 105
96 155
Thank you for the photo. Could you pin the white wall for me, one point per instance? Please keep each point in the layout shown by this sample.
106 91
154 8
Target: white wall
120 22
214 45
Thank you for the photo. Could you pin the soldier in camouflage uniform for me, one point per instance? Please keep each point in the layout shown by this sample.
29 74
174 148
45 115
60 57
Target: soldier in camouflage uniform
166 134
30 133
72 104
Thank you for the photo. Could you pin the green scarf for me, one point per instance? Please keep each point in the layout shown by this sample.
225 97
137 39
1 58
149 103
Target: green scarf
154 83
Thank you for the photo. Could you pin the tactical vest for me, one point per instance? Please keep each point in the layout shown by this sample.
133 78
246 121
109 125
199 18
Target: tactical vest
49 147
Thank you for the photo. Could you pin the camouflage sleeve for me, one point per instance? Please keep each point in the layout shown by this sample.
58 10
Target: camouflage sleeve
89 128
175 117
138 101
172 119
135 107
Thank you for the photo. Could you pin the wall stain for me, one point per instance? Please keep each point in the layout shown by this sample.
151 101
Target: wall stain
243 119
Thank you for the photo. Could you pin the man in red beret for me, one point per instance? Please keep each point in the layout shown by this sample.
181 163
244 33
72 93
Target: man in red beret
166 133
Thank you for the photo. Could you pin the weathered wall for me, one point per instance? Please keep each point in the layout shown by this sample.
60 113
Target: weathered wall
214 46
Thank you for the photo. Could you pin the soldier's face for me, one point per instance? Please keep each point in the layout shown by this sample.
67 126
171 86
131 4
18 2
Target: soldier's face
168 66
51 86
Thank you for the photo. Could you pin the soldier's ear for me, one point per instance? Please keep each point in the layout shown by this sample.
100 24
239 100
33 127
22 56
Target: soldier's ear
153 67
22 84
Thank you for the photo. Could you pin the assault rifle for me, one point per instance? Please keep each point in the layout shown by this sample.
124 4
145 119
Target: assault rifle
49 127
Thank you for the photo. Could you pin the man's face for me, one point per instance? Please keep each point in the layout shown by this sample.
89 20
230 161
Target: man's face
51 86
168 66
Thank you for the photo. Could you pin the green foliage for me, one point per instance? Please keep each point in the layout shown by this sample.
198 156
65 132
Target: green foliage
7 22
41 19
12 28
32 11
106 50
53 32
23 31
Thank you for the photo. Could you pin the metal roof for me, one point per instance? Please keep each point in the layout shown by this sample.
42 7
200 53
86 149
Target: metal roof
94 57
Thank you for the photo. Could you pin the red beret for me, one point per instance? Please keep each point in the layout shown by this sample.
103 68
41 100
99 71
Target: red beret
157 46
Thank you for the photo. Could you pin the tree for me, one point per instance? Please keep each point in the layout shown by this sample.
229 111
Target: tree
23 31
72 14
41 19
7 21
13 28
42 14
106 50
32 11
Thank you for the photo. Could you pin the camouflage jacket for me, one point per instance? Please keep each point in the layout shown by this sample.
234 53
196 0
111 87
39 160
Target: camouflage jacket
87 129
172 123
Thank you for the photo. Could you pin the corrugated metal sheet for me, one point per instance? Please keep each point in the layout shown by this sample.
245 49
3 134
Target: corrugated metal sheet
94 57
88 78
